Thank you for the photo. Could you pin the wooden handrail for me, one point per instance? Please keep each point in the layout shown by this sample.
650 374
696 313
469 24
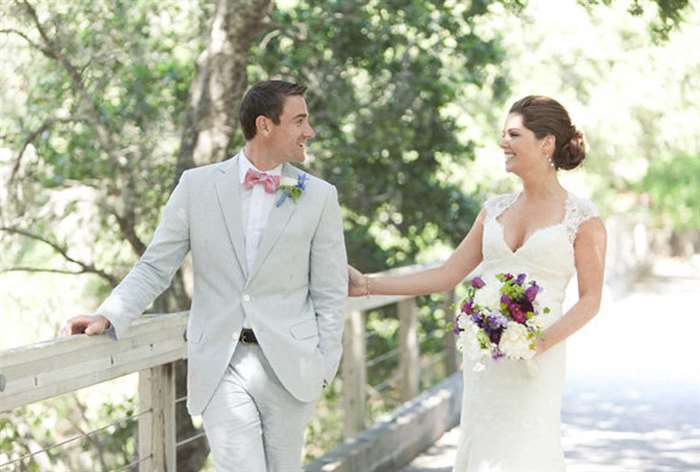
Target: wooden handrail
51 368
154 342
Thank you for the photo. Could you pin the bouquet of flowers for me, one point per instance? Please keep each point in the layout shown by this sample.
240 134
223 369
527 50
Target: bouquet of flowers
500 317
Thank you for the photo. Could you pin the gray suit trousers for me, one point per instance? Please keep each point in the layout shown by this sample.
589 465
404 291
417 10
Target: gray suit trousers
252 422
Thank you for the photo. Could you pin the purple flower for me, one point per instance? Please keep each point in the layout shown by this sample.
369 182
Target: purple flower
495 335
517 314
497 321
456 329
505 299
508 276
301 182
531 292
521 279
478 282
468 307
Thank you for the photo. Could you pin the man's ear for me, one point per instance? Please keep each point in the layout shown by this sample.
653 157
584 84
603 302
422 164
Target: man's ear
263 125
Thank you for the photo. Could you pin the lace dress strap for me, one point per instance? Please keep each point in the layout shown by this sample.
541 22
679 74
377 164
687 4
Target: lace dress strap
494 206
578 210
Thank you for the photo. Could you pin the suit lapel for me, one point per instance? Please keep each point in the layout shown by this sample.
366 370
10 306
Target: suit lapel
276 223
228 189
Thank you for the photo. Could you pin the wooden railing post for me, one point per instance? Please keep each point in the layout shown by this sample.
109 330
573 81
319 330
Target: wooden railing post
354 374
157 429
409 369
451 352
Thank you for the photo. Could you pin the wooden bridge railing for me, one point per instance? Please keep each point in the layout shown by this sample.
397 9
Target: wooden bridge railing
44 370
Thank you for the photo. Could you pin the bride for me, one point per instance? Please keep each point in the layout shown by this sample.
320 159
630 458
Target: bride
511 411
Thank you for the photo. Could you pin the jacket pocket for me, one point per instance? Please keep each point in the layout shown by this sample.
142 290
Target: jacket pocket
305 329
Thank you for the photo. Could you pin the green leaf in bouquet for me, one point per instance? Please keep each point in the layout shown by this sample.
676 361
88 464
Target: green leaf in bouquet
483 339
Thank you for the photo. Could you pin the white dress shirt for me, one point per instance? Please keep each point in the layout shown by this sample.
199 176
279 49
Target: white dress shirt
256 204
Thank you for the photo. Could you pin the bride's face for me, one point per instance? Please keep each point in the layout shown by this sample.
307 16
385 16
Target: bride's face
521 148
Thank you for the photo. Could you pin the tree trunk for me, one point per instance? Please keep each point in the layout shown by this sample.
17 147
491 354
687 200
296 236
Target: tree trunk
212 117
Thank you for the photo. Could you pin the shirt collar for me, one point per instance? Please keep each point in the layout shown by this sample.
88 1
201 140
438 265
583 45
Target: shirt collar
244 164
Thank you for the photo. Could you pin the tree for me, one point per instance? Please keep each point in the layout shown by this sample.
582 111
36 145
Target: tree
673 185
669 13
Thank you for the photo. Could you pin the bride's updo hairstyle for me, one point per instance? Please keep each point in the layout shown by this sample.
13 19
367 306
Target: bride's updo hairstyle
544 116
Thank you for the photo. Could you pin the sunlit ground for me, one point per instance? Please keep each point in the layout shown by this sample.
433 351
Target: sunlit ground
632 401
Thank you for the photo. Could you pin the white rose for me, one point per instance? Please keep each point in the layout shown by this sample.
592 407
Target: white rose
288 181
489 295
541 321
469 341
515 343
536 322
463 322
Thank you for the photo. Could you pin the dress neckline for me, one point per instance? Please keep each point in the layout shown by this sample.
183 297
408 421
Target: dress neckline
513 199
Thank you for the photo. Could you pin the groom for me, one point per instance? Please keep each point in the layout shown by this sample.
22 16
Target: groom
270 279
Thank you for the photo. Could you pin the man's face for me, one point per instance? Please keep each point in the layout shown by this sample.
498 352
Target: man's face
288 138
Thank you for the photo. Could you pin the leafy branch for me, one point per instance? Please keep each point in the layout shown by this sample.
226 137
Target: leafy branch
85 268
45 126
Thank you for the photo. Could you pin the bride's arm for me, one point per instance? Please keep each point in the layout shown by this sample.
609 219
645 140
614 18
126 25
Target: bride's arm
460 263
589 250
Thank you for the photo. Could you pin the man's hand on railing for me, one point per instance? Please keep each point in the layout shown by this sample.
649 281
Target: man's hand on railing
358 283
86 324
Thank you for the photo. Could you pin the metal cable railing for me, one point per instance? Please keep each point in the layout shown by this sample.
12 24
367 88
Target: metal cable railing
94 432
190 439
132 464
382 357
77 437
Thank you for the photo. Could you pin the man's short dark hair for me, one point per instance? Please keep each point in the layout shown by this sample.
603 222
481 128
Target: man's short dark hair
266 99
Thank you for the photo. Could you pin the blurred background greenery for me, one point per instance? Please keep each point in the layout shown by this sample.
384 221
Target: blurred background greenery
105 103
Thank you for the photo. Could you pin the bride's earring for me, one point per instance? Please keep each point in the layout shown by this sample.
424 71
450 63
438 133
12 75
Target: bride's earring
549 159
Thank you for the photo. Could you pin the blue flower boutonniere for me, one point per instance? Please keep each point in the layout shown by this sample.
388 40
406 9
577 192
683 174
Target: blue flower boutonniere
290 187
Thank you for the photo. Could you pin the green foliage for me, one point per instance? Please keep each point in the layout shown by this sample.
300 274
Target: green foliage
66 418
14 441
669 13
673 184
436 320
324 431
108 100
381 77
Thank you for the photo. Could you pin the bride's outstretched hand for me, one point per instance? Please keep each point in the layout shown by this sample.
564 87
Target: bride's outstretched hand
357 282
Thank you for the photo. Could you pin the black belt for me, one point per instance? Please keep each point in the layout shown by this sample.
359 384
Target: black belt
248 336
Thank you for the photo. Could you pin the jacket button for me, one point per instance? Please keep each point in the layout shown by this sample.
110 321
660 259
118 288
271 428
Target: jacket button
246 298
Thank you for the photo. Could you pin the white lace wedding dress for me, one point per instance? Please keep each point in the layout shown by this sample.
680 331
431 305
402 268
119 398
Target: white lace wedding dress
510 411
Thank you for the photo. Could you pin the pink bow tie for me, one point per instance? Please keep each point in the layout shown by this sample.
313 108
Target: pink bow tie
271 182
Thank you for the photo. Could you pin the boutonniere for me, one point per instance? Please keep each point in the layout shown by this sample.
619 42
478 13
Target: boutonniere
291 188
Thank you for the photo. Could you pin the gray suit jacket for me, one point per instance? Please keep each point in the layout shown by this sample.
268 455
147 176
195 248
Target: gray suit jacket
293 296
